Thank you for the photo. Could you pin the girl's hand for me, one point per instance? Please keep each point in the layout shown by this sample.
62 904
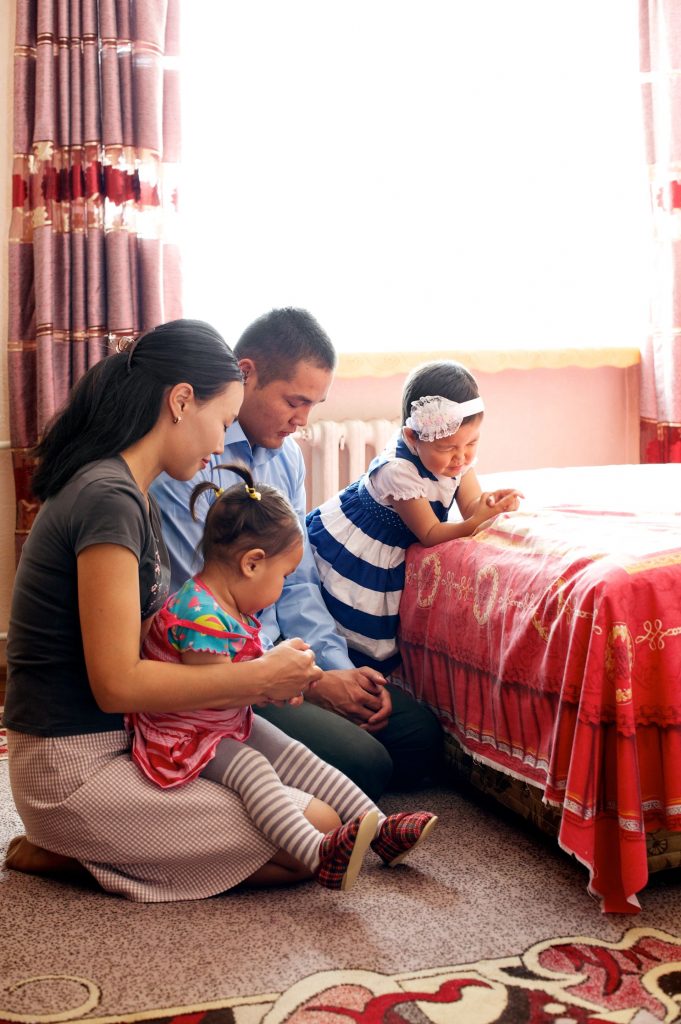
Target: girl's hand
506 500
291 670
492 503
295 702
483 510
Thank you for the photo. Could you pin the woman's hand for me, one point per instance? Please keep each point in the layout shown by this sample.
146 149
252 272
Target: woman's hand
108 591
291 670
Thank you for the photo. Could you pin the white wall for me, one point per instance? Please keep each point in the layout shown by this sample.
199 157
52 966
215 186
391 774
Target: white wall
572 416
534 418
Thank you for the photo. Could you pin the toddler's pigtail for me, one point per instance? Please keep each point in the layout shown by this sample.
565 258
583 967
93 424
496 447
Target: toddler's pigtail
245 515
240 470
205 485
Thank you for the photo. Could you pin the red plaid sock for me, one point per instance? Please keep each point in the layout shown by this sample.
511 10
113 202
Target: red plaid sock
341 852
400 833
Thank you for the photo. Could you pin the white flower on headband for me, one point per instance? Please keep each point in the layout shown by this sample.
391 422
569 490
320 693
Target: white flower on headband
433 417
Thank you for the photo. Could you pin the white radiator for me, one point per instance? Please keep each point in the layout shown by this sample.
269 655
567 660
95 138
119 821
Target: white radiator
338 452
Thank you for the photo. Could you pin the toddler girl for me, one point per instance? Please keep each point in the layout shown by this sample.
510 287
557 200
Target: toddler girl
360 536
251 542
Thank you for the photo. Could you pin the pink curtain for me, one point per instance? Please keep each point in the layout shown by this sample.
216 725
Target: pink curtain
92 257
661 357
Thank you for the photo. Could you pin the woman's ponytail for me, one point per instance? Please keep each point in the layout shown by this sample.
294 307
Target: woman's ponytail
118 401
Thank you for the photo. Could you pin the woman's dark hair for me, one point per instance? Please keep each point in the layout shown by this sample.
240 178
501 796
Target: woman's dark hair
280 339
444 378
245 516
119 399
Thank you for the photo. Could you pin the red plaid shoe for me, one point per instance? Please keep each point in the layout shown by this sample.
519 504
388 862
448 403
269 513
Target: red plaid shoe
400 833
342 851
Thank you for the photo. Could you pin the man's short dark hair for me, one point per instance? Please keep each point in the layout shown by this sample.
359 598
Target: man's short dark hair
280 339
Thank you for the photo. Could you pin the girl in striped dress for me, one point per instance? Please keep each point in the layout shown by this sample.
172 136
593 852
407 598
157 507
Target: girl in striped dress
252 540
360 536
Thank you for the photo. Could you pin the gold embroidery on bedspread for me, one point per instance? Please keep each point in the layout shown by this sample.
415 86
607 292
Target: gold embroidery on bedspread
539 545
656 562
630 542
430 565
485 595
566 608
654 634
483 603
542 628
429 580
619 659
428 587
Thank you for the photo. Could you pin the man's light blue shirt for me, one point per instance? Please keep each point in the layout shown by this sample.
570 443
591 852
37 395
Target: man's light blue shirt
300 611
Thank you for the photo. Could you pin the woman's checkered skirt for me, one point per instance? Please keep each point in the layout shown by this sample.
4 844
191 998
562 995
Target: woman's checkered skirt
83 797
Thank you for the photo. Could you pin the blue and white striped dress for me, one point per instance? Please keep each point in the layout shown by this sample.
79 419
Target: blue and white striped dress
359 544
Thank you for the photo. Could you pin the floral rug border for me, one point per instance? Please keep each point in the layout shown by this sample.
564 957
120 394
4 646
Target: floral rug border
636 980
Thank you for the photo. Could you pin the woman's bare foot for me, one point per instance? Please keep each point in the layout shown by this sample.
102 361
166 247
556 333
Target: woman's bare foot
23 855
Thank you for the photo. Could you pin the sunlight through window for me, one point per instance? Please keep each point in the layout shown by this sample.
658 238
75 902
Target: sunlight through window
420 176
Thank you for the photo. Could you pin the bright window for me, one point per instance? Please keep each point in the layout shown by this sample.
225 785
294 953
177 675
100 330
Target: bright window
419 175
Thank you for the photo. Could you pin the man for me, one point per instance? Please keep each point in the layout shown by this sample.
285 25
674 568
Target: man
371 731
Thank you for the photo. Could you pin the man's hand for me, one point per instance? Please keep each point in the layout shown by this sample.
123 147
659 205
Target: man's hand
358 694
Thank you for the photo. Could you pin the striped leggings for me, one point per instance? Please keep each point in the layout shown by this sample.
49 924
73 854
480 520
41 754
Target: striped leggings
261 768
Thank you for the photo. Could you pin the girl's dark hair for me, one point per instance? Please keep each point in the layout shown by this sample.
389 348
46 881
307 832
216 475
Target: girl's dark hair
444 378
239 520
119 399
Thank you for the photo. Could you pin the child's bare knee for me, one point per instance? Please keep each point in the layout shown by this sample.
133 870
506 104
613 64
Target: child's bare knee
323 817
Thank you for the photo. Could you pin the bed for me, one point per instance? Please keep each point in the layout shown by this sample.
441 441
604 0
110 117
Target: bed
549 646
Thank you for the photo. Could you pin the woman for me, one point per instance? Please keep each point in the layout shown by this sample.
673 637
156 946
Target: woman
93 572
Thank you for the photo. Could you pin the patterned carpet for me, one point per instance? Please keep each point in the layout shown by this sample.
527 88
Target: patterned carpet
571 979
488 923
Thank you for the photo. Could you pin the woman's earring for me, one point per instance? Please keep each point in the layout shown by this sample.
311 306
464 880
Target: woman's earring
176 419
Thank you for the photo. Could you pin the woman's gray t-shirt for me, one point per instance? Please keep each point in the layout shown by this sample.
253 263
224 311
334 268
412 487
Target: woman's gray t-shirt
48 693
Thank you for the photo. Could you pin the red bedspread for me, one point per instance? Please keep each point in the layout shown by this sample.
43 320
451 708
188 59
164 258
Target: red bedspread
549 645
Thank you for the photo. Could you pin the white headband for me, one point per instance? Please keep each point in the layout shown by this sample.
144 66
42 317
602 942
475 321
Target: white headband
433 417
